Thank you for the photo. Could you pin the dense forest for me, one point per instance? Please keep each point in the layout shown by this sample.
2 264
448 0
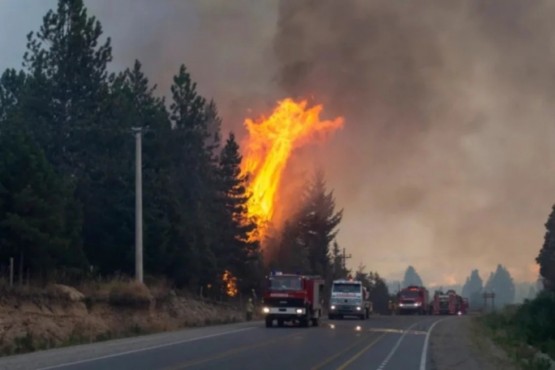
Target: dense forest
67 174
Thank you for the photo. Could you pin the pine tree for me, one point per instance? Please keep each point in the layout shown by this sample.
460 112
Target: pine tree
12 84
318 223
193 184
501 283
472 288
39 220
546 256
237 252
412 278
134 103
64 57
379 295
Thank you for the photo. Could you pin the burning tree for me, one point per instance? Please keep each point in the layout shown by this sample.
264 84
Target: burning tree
269 146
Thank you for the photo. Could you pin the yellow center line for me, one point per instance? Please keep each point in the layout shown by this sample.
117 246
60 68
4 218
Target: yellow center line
360 353
231 352
338 354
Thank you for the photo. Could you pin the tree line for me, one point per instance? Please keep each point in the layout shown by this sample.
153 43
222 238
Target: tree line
67 166
67 186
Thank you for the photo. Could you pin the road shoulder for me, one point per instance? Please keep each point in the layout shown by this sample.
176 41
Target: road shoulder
457 344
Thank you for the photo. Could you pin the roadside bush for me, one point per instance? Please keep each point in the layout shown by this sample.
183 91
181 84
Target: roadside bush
132 294
535 321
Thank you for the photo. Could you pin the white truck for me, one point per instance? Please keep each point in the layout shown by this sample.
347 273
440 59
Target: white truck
349 298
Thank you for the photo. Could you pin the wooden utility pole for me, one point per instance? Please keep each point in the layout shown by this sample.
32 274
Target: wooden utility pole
344 258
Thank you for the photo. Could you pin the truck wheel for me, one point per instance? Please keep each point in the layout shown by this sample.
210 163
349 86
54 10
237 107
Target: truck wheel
280 323
315 322
304 322
268 322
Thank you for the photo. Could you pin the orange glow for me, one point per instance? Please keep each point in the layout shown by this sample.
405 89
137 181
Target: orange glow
230 283
269 146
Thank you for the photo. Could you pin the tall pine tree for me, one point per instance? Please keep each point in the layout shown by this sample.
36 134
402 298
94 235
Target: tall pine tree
235 250
308 234
39 220
192 184
546 256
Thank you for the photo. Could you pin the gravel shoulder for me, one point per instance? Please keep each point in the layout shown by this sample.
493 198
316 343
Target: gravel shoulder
457 343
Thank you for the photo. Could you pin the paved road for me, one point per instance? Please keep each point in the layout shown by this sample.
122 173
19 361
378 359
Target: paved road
382 342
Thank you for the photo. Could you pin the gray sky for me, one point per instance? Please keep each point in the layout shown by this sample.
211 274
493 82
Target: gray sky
445 161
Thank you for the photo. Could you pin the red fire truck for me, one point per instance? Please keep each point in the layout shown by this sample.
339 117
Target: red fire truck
413 299
293 298
446 303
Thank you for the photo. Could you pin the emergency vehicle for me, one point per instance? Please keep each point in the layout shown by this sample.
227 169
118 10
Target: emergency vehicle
446 303
413 299
293 298
349 298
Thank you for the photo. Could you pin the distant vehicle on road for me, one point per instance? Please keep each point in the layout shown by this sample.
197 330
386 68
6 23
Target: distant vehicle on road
349 298
413 299
449 303
293 298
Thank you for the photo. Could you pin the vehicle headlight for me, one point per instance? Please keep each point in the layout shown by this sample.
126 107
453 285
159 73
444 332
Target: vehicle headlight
332 307
418 304
300 310
358 308
266 310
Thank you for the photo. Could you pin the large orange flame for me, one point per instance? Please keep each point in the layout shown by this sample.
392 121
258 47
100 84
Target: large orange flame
270 144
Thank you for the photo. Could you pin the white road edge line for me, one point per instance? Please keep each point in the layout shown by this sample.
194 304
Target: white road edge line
426 343
145 349
394 349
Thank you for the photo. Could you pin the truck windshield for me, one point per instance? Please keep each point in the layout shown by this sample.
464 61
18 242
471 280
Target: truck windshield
346 288
285 283
410 294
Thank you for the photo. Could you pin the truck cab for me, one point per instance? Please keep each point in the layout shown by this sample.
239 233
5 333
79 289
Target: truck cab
413 299
293 298
349 298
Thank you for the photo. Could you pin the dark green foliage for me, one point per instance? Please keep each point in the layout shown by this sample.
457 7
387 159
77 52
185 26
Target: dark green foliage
11 85
67 171
546 257
535 321
517 328
38 217
377 288
234 249
307 236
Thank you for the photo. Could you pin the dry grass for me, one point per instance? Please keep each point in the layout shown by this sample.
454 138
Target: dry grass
130 294
58 315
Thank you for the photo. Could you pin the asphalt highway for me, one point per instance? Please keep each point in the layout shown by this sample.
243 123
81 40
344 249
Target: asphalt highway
381 342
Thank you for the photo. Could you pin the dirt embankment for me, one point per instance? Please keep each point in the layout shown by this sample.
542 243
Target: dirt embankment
32 319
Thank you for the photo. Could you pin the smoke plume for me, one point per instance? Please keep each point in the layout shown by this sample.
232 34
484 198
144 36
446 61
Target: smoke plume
446 159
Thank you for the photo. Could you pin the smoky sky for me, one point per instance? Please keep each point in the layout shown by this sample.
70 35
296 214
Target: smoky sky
446 159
